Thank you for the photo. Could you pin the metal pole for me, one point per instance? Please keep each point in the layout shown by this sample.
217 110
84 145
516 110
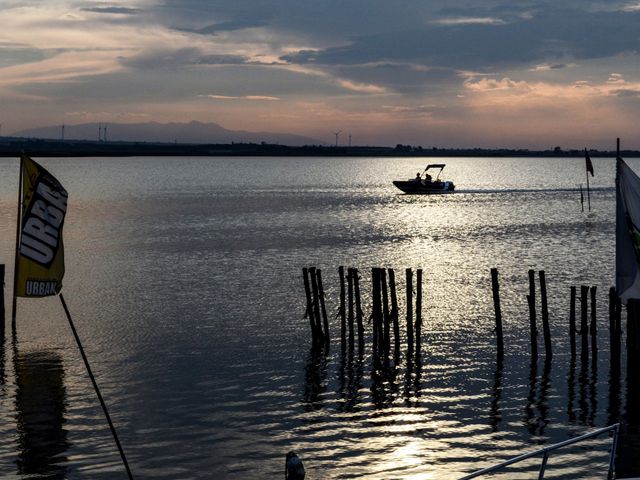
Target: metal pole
543 466
612 455
95 387
588 192
16 263
544 451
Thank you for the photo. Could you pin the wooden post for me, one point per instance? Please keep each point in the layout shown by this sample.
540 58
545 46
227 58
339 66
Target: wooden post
418 310
531 300
633 329
584 292
545 314
376 311
316 303
593 330
495 287
385 309
351 306
614 334
356 291
394 311
618 321
572 322
309 312
2 313
409 274
323 307
343 309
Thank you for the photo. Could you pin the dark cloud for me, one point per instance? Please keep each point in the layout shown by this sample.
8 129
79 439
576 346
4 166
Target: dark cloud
112 10
12 54
546 36
626 93
225 27
180 84
165 58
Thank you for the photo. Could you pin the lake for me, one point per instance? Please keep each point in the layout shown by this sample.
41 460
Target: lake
184 278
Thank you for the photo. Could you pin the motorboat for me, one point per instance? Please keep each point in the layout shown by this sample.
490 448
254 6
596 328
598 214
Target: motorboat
425 184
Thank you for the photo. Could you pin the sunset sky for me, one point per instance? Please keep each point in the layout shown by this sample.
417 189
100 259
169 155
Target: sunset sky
531 73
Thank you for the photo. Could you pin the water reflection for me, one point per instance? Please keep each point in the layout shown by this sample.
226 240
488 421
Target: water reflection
413 373
40 405
571 390
350 380
583 406
494 413
315 377
537 407
383 381
613 409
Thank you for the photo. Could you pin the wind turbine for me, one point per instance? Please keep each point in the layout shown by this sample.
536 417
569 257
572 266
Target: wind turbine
337 134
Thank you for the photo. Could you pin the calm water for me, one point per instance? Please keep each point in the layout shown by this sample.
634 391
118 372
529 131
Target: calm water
184 278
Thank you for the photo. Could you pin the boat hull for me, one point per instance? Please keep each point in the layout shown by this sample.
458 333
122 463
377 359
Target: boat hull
414 187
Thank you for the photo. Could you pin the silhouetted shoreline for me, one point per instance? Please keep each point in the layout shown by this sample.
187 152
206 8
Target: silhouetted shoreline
13 146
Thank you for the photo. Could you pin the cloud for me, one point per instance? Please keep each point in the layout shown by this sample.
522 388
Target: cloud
151 59
229 26
631 7
113 10
244 97
360 87
545 67
482 43
410 110
469 21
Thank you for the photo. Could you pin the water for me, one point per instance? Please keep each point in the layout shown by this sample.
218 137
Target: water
184 279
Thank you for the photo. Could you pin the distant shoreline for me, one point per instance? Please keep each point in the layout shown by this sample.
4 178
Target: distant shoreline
13 146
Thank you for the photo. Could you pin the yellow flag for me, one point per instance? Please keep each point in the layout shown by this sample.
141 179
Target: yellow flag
41 255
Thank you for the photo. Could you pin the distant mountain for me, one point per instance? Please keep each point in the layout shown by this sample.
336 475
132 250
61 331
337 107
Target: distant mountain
192 132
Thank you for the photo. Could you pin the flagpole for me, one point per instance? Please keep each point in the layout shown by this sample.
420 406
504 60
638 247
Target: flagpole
95 387
18 229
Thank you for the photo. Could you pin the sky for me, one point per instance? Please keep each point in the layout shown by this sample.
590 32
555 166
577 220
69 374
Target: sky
485 73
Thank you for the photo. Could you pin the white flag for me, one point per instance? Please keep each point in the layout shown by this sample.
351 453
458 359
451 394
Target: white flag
627 232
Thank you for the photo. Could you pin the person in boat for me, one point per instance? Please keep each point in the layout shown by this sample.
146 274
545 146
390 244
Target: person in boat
418 178
427 178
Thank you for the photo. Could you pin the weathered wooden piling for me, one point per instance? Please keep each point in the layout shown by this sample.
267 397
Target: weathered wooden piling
418 310
584 292
386 313
409 275
545 314
495 287
612 319
316 303
2 313
343 308
531 300
633 328
572 322
323 307
593 329
309 312
356 292
376 311
351 316
394 310
618 322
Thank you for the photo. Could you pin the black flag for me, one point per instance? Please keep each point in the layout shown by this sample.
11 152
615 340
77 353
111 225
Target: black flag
589 164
